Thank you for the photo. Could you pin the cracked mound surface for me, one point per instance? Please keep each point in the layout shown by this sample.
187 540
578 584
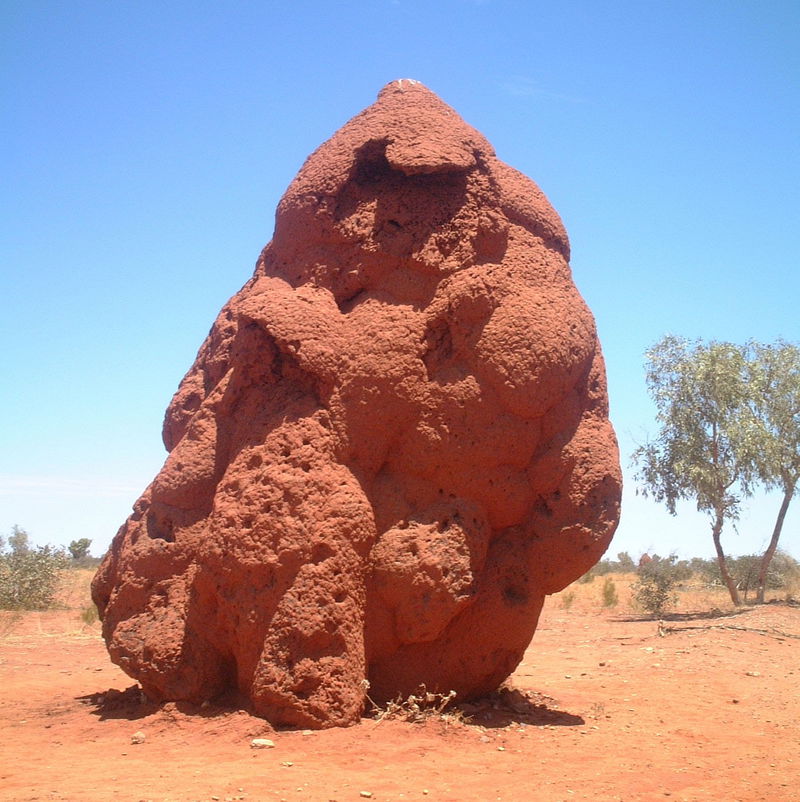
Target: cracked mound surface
392 445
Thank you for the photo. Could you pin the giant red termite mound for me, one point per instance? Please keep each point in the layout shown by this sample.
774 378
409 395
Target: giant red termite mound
392 445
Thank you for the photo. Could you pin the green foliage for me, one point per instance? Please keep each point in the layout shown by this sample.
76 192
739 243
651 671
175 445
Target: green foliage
18 541
658 578
701 396
29 577
79 549
587 577
774 380
610 597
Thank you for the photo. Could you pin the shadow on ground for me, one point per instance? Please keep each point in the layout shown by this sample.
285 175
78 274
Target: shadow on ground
132 704
513 706
502 708
714 612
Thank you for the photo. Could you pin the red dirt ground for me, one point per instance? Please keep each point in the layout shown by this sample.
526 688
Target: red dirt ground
604 708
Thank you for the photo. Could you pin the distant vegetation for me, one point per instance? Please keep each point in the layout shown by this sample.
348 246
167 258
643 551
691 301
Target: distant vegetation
658 578
30 576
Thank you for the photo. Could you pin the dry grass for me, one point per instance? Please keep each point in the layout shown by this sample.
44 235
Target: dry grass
74 590
73 595
418 707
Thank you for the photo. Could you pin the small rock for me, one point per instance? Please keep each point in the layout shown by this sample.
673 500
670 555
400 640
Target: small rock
365 794
261 743
138 737
753 673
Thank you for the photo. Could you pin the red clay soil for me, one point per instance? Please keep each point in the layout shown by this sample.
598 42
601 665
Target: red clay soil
604 709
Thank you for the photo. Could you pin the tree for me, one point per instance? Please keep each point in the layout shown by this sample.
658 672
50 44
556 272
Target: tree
19 541
79 549
774 374
703 451
657 578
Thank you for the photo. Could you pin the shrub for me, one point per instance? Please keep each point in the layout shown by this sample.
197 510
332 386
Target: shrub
29 577
610 597
567 599
657 578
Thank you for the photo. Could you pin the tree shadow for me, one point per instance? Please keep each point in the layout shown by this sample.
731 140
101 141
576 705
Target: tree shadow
714 612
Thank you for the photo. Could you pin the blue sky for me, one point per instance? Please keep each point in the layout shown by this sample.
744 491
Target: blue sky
145 146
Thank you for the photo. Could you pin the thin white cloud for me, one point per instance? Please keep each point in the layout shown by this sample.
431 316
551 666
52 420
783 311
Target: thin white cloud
525 86
90 487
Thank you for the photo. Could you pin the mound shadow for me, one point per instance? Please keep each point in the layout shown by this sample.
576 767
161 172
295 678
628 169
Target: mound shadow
133 704
513 706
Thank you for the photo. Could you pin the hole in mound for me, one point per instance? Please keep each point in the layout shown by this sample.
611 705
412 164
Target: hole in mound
321 552
514 595
162 529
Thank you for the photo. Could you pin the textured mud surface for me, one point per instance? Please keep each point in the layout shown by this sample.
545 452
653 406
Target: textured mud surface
392 446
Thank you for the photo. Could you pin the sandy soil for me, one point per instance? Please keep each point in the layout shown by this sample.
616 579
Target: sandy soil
603 708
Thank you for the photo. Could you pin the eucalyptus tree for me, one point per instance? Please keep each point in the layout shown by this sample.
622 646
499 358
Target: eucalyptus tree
774 377
704 448
79 549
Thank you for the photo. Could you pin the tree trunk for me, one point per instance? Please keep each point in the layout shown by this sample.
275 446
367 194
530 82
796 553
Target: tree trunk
773 543
716 530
